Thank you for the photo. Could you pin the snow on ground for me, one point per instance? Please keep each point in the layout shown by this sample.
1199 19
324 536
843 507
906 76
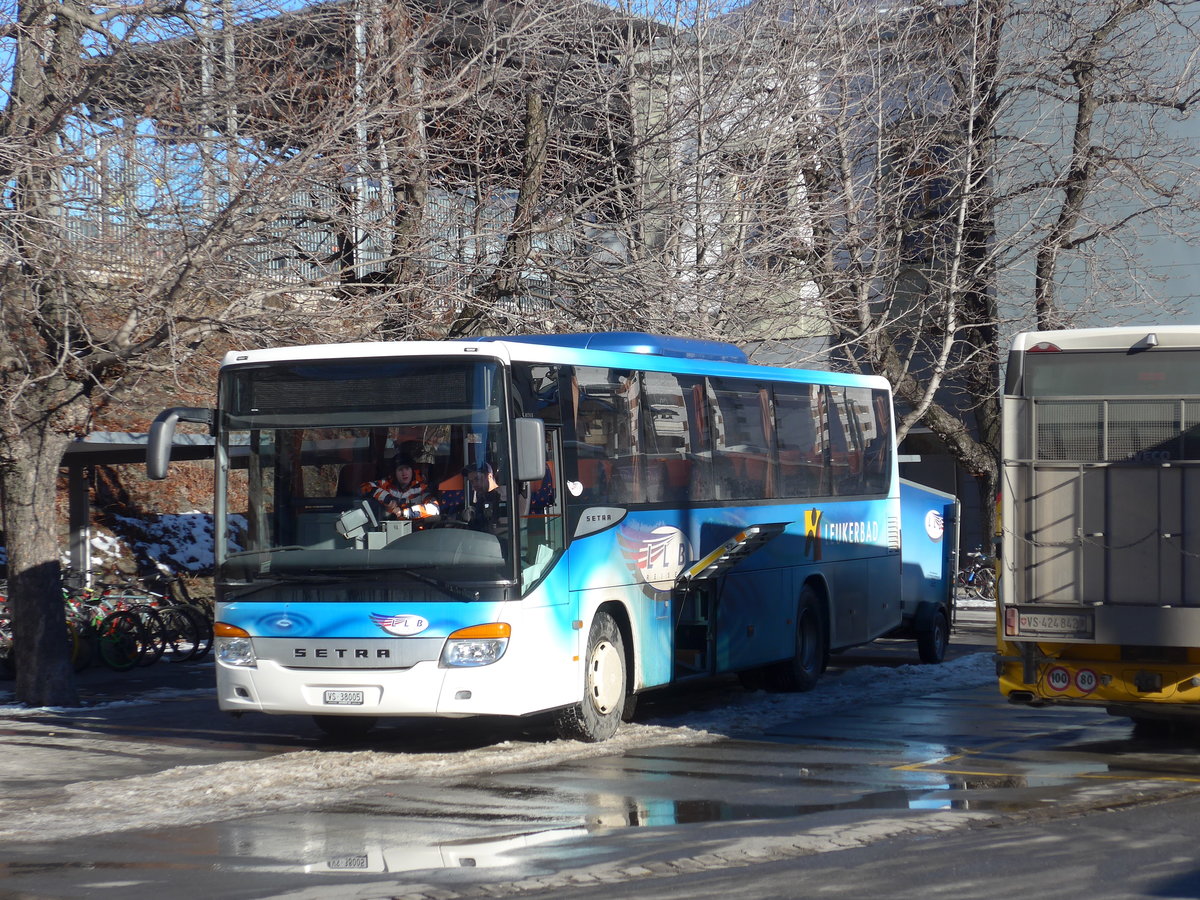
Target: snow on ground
186 795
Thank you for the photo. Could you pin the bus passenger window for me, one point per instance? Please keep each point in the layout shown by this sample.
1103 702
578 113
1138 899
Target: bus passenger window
877 456
668 437
741 438
607 435
845 450
801 440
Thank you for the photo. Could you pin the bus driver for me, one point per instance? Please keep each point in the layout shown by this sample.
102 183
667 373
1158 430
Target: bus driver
403 495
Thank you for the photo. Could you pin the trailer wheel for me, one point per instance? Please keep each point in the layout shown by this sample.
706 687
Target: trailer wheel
598 715
934 638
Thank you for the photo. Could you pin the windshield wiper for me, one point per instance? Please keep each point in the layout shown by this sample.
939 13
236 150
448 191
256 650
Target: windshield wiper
446 587
238 554
261 581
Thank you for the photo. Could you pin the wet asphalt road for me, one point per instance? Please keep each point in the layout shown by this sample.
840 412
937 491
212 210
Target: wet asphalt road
732 818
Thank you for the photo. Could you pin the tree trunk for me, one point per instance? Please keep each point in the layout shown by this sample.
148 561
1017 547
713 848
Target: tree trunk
45 676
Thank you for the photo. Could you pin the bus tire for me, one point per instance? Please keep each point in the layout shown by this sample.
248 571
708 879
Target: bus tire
934 638
346 728
803 671
597 717
630 710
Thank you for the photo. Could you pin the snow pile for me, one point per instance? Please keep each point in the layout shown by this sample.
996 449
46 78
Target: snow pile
177 542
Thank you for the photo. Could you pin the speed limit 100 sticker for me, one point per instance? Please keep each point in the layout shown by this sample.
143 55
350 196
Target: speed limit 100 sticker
1058 678
1085 680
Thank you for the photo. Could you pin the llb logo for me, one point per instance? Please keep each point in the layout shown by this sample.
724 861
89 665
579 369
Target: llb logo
656 557
401 625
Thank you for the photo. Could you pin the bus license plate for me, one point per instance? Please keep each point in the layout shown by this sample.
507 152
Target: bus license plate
343 698
343 863
1055 625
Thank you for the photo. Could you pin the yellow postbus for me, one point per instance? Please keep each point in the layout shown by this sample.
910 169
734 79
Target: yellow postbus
1100 552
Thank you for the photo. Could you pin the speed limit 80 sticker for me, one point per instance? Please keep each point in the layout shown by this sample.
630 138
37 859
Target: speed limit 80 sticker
1086 680
1059 679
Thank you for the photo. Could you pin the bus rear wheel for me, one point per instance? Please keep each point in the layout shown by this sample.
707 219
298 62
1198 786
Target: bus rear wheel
598 715
934 638
803 671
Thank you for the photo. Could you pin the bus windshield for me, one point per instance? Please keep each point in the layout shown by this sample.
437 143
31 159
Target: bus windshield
355 468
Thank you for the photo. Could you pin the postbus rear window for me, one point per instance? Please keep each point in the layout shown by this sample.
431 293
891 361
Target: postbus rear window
1111 373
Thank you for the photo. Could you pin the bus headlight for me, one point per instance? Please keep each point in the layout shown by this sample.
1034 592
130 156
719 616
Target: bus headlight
234 646
479 645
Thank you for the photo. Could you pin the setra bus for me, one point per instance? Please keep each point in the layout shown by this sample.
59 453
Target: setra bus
1100 565
650 510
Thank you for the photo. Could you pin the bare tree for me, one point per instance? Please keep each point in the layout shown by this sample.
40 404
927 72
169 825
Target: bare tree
941 152
178 173
171 173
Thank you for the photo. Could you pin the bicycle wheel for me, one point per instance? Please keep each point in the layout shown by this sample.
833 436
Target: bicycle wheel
8 662
182 633
80 636
985 583
154 634
204 631
120 639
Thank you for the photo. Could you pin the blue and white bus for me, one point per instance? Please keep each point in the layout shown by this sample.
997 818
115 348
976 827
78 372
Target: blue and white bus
661 510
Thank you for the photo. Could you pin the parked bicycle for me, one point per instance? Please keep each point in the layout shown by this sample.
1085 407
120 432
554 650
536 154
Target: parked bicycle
977 575
123 622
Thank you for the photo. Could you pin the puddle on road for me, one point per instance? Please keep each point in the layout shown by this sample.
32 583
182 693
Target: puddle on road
532 826
417 836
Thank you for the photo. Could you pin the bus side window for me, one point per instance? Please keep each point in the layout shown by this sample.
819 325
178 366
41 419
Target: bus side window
741 439
608 435
701 485
798 435
845 458
667 437
877 461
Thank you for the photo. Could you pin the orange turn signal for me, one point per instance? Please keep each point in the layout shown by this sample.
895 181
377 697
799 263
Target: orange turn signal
493 631
224 629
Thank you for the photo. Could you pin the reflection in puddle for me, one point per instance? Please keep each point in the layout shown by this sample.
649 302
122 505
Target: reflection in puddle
488 853
424 834
531 822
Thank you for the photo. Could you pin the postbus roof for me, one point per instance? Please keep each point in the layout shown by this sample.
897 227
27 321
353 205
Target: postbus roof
1123 337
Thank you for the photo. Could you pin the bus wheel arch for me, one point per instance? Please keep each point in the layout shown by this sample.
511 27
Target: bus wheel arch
606 679
803 670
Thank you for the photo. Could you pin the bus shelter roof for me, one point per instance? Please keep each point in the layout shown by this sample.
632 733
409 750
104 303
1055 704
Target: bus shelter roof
112 448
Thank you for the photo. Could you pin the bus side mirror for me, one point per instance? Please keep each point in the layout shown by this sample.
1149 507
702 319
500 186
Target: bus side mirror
162 435
530 449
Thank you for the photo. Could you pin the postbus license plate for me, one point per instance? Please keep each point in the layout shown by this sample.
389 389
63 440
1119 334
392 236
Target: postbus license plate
343 698
1055 625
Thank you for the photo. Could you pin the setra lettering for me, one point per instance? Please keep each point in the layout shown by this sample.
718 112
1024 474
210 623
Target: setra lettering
339 653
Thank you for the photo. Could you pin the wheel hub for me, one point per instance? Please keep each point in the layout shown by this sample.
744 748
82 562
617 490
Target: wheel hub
606 682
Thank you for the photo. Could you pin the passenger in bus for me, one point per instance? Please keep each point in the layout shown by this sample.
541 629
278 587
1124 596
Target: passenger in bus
541 493
404 494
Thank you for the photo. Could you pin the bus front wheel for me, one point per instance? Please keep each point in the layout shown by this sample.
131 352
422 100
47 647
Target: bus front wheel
597 716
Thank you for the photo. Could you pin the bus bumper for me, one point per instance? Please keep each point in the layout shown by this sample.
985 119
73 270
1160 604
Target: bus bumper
425 689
